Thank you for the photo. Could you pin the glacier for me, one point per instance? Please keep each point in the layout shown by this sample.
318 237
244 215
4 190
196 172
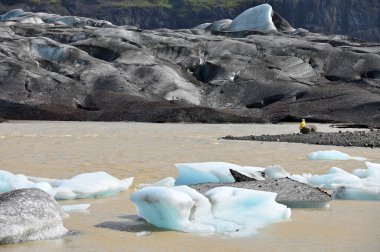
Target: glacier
184 209
87 185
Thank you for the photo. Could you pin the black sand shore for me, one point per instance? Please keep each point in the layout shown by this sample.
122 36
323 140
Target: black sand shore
348 138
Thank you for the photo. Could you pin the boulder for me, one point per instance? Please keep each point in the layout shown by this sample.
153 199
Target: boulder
28 215
308 129
289 192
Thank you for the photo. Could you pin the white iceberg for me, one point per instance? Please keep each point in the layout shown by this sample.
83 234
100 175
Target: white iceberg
276 172
166 182
335 176
10 182
258 18
87 185
368 188
332 155
75 208
363 184
223 210
211 172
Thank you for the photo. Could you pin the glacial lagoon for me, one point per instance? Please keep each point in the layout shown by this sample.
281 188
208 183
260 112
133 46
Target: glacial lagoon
148 152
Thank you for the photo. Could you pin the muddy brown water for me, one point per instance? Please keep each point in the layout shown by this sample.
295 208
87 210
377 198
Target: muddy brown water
148 152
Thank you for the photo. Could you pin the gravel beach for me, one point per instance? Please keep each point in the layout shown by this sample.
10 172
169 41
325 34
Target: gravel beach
342 138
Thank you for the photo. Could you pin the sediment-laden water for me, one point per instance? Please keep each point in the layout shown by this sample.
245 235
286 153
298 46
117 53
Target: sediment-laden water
148 152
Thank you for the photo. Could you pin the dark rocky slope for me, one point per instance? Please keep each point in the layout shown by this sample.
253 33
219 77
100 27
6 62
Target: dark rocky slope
104 72
357 18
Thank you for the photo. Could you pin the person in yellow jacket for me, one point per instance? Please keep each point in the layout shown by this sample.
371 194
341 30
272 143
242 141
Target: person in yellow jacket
302 124
306 129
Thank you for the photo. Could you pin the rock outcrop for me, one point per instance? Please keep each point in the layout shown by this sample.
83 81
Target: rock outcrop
83 69
28 215
289 192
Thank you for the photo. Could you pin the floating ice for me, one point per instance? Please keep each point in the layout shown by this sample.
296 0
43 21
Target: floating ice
166 182
87 185
91 185
10 182
258 18
356 192
363 184
276 172
334 176
332 155
75 208
224 210
210 172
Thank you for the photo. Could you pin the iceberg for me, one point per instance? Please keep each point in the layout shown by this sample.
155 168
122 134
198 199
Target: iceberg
166 182
258 18
335 176
93 185
276 172
211 172
363 184
222 210
332 155
75 208
87 185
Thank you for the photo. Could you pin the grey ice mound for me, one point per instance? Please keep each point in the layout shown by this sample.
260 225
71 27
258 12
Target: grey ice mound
28 215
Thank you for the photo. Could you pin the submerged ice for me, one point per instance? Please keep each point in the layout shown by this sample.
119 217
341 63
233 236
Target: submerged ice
87 185
184 209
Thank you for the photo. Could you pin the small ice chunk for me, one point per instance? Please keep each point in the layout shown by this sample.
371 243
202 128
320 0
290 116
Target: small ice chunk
166 182
10 182
210 172
94 185
332 155
143 233
334 176
276 172
356 192
75 208
222 210
87 185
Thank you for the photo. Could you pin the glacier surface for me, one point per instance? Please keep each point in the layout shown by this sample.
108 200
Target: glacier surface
184 209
